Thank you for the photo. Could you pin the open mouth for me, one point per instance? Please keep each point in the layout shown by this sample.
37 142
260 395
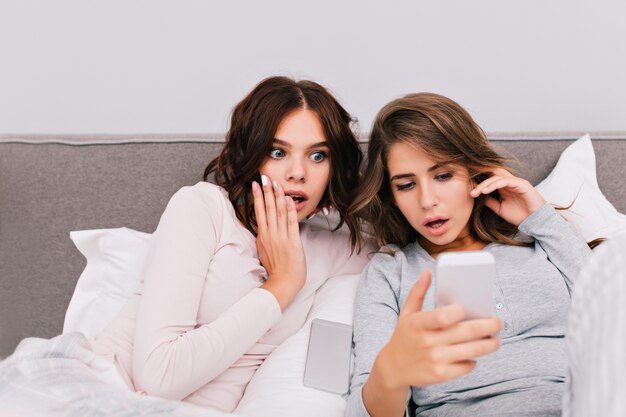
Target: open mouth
436 224
296 198
299 198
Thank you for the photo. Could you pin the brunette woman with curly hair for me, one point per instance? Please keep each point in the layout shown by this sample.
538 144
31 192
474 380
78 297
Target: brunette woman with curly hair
233 266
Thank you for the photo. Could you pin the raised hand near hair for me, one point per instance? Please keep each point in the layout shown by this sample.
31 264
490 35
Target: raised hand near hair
519 199
427 347
278 242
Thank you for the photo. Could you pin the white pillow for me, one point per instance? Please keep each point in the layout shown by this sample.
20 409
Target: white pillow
573 184
276 388
115 258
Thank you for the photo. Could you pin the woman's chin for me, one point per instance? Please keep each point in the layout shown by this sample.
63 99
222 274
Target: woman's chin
304 215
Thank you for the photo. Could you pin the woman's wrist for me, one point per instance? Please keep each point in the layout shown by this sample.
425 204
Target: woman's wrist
386 373
383 394
284 293
536 219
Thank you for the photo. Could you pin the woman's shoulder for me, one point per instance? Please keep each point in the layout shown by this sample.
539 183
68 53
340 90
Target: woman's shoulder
387 258
391 265
202 203
382 273
202 189
394 253
391 258
203 193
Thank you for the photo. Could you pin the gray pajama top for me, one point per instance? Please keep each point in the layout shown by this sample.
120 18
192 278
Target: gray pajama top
525 377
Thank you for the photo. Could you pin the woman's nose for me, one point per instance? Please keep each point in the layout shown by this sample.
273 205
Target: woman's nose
428 198
296 171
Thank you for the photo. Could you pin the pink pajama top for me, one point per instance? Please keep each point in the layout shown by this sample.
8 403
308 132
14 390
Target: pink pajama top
198 326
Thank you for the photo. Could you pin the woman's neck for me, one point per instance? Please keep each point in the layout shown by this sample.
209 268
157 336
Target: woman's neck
462 243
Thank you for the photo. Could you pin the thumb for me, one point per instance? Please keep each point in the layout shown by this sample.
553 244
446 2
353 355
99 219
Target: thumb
415 299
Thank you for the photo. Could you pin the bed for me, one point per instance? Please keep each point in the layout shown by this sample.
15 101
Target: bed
111 191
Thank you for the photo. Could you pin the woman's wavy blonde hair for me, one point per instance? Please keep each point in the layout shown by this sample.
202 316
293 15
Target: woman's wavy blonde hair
445 131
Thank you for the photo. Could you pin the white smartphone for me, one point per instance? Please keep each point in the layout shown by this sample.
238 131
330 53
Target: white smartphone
466 278
328 356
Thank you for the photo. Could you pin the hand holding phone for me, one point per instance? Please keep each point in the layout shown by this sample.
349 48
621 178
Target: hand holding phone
466 278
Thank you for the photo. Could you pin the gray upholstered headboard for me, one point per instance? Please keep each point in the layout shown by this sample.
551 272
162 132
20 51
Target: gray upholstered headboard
52 185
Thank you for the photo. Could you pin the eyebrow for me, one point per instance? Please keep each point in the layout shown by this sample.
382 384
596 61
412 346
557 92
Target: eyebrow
315 145
431 169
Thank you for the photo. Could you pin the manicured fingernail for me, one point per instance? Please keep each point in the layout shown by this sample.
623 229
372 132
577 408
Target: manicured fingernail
275 184
264 180
255 186
325 211
288 200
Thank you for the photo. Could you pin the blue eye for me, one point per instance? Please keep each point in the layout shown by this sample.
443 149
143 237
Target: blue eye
443 177
318 156
277 153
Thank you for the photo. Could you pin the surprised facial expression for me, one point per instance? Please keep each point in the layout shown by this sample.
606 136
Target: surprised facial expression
434 197
299 160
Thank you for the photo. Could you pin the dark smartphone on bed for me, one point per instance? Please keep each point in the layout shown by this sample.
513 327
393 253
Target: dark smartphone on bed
328 356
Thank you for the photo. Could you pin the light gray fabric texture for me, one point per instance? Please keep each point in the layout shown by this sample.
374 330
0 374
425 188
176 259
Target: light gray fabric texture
48 189
596 336
531 296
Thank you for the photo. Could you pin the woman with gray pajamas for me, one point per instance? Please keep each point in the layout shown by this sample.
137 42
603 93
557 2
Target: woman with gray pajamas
433 185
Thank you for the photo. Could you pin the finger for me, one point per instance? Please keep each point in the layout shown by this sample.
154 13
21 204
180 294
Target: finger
270 203
502 171
415 299
502 182
451 371
515 184
470 350
469 330
441 317
479 189
259 207
281 209
293 227
460 368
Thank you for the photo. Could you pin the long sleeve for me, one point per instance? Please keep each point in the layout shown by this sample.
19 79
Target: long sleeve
565 248
174 354
375 316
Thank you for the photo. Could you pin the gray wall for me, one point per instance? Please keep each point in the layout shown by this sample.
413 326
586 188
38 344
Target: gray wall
119 66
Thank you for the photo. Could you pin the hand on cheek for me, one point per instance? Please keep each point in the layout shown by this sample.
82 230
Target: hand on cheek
278 241
518 198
